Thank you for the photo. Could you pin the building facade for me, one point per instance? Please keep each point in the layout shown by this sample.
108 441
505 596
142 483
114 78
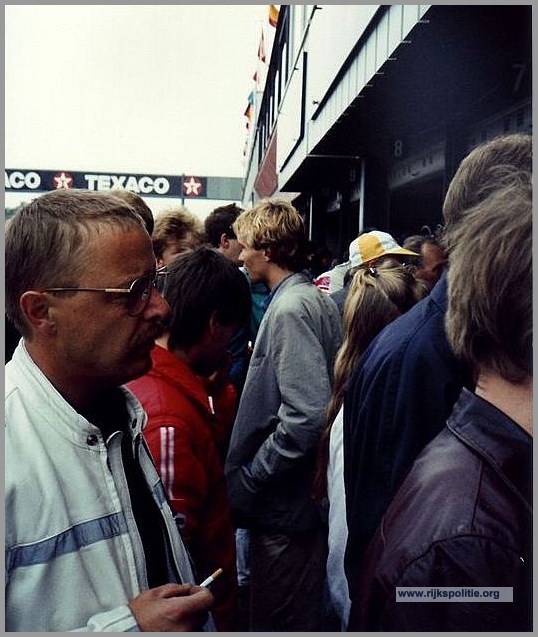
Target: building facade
367 110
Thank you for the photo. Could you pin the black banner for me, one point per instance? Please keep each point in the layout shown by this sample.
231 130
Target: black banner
183 186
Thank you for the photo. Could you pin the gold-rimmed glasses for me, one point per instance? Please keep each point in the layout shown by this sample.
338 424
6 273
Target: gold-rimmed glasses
138 293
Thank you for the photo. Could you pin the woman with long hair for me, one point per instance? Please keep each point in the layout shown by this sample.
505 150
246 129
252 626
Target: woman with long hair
378 294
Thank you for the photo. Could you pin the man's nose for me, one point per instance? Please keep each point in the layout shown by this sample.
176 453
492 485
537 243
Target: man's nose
158 304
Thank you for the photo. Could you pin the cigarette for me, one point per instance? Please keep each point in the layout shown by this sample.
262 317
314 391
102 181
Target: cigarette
211 578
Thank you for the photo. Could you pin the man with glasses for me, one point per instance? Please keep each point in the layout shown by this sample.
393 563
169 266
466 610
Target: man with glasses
91 542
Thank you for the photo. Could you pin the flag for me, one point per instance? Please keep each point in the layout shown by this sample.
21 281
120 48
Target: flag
273 14
248 114
249 111
261 49
259 76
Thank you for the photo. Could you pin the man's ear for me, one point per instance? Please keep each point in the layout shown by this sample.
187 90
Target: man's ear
268 252
224 241
214 322
35 307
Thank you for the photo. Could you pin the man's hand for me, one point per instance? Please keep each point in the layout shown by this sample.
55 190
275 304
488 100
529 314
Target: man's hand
172 607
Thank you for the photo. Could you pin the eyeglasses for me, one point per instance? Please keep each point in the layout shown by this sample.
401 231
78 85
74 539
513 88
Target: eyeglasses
138 293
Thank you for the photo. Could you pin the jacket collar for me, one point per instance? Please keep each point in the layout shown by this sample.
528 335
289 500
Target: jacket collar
59 414
175 371
497 439
439 292
291 279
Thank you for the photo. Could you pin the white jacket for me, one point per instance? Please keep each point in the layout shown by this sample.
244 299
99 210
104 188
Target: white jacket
73 557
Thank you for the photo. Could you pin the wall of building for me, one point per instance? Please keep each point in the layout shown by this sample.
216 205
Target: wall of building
368 110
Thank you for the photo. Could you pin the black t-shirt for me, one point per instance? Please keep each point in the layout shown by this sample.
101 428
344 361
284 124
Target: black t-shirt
110 415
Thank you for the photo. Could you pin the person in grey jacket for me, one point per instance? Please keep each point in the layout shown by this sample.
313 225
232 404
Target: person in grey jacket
272 452
90 540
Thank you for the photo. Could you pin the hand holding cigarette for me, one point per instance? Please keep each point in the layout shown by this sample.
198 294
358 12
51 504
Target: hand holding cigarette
172 608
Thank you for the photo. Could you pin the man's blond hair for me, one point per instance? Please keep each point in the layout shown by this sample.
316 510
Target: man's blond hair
274 223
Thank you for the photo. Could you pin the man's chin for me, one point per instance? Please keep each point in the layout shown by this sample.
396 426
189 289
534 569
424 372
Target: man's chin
253 278
138 368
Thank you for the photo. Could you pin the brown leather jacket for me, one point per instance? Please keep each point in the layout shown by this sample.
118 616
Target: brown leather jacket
462 518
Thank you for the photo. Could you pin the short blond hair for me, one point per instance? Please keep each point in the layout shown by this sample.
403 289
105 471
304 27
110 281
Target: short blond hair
274 223
176 224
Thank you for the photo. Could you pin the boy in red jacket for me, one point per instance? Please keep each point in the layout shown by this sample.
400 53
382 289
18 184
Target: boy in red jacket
208 297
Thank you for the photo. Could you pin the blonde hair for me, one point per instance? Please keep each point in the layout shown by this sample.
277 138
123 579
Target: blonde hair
274 223
177 224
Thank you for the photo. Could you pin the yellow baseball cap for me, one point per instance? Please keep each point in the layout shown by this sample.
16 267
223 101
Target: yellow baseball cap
372 245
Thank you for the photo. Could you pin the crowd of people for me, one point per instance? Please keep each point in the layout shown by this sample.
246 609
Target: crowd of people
205 430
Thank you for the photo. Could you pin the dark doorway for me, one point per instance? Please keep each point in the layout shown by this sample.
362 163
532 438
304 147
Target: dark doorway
414 205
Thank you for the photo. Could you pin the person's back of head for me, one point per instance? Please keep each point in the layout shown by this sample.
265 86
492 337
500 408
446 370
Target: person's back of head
176 230
219 222
46 241
139 205
377 296
485 169
220 234
274 224
202 283
432 261
415 242
489 316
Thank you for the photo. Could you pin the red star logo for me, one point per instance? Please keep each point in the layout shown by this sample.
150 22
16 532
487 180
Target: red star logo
192 186
63 180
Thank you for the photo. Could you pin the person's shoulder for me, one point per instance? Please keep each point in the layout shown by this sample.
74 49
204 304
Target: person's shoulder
412 335
11 382
340 295
441 479
170 387
299 292
450 478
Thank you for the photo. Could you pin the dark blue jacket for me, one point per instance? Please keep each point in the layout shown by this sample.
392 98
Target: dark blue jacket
462 518
238 347
398 400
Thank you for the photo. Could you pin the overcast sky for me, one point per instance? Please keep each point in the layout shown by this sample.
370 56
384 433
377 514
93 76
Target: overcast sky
129 89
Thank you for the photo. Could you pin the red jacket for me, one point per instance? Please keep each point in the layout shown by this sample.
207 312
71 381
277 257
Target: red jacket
182 436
